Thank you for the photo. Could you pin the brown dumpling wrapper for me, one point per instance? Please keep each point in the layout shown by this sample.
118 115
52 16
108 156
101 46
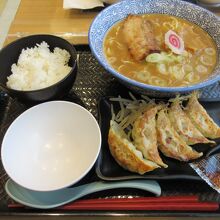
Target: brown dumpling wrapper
125 153
170 143
145 135
200 118
184 126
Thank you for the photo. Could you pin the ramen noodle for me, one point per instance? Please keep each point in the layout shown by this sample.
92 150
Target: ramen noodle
165 68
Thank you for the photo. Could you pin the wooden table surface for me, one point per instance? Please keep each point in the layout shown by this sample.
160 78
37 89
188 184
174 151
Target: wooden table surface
48 16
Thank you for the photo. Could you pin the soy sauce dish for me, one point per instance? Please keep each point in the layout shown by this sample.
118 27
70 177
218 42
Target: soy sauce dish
51 146
38 68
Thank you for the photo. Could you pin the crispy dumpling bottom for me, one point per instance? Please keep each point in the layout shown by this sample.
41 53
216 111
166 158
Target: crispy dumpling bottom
125 152
169 127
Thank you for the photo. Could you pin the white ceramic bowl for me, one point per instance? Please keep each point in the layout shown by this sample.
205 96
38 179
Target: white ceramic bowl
51 146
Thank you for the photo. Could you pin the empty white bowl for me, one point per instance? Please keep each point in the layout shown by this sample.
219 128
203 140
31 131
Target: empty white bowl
51 146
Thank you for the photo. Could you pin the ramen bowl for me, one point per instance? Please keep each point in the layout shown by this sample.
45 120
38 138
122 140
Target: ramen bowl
192 13
51 146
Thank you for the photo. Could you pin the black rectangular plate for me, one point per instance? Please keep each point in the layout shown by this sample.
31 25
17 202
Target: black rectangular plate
108 169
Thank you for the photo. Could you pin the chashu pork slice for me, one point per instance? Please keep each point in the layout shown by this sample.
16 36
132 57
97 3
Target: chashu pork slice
125 153
170 143
139 37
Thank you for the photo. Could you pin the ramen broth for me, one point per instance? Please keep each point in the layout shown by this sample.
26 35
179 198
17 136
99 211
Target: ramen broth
194 65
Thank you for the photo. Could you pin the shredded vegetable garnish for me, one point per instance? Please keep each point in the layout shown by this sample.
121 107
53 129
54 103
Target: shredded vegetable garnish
130 109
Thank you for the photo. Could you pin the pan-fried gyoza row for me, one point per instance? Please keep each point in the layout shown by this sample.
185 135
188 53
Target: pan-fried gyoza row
141 128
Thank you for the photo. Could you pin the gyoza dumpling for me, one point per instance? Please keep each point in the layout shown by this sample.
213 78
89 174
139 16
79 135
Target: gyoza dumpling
145 135
125 152
183 125
200 118
170 143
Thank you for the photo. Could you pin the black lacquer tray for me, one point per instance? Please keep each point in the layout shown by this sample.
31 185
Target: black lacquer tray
92 84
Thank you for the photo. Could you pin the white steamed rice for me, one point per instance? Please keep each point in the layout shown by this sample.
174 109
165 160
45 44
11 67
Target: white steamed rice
38 68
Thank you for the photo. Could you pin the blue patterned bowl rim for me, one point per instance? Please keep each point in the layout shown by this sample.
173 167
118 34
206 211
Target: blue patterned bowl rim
116 12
